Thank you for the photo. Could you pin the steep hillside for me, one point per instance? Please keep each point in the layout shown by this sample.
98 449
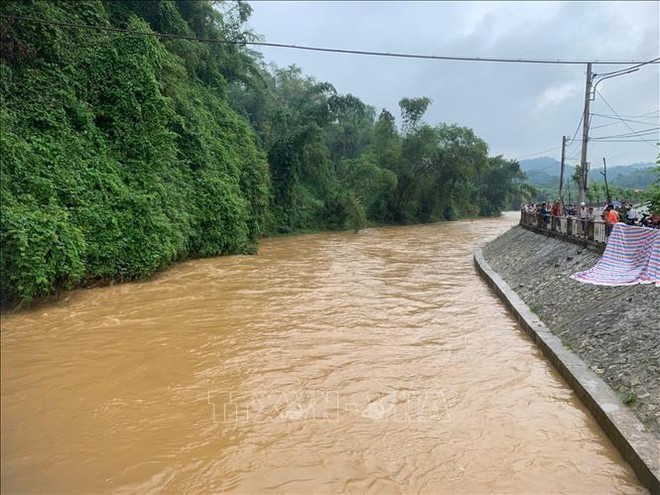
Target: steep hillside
119 156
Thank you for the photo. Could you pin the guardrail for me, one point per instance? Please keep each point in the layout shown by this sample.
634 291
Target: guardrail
571 227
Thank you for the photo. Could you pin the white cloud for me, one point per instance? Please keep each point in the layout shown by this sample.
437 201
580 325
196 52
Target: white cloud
553 96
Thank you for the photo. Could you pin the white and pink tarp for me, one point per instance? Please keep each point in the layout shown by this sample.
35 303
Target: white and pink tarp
632 256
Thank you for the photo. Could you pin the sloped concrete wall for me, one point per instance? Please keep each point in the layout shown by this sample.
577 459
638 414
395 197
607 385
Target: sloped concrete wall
615 330
605 341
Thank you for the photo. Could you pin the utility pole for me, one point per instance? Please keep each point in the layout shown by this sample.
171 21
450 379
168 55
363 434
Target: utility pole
607 189
561 172
585 135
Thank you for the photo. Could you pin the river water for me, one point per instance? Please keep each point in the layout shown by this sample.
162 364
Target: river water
376 362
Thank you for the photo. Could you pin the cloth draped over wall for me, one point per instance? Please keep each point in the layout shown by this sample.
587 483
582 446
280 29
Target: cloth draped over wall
632 256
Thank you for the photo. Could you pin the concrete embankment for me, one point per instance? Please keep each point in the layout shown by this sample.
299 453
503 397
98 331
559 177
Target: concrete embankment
614 330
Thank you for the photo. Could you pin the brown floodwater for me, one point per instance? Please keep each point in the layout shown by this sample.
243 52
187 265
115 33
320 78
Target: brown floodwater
376 362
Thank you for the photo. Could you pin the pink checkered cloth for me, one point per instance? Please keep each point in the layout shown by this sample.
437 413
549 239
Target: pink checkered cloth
632 256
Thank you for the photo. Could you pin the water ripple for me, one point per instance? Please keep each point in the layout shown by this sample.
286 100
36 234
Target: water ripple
375 362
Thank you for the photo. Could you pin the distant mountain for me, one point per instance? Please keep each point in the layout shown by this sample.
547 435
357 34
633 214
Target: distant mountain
638 176
544 172
543 164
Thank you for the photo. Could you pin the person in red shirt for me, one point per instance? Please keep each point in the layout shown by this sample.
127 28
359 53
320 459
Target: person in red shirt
556 213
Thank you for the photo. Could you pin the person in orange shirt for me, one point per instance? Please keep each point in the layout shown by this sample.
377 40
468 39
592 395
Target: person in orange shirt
610 219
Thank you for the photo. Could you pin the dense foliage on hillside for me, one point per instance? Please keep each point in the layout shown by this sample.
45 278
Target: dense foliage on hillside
123 153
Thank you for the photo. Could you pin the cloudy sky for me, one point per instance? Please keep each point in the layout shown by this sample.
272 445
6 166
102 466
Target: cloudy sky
520 110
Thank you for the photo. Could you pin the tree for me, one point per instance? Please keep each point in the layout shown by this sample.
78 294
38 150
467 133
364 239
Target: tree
497 186
386 142
463 157
412 110
596 192
654 190
351 127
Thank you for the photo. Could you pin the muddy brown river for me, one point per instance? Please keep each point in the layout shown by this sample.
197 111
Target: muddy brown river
376 362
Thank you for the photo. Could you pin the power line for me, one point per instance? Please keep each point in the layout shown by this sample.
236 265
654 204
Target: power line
321 49
577 129
608 139
647 115
539 153
629 141
644 132
621 119
618 122
636 133
611 124
628 119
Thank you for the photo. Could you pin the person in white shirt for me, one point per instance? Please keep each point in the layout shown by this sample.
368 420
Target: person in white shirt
584 217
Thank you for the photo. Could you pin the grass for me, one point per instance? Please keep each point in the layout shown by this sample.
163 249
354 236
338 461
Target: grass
630 398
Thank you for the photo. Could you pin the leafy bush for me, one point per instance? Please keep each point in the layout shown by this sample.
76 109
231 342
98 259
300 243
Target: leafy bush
41 250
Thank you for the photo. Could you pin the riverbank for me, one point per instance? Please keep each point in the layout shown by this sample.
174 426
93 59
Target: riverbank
613 329
15 306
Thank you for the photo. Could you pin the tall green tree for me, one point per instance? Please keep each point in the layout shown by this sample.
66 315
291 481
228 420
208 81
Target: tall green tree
412 110
386 143
497 185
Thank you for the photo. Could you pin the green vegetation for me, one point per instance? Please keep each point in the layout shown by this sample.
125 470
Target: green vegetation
123 153
536 307
653 195
630 397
